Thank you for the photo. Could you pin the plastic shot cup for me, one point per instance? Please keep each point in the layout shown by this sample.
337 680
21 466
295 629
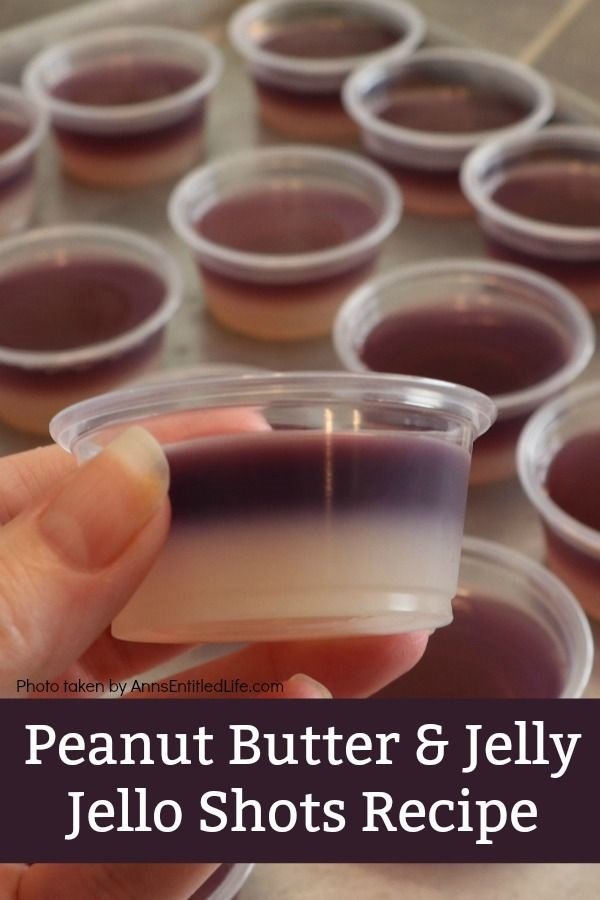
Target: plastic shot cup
22 129
303 505
83 309
559 469
516 335
538 203
225 883
422 115
282 235
300 51
127 105
517 633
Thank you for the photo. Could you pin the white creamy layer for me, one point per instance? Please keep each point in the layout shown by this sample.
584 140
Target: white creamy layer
280 577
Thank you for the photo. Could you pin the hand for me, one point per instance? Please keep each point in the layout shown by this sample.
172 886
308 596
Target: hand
75 543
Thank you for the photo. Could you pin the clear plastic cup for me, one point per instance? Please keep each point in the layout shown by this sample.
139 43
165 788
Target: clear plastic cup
159 80
572 547
530 193
303 505
421 116
22 129
518 633
225 883
282 235
300 51
531 332
47 372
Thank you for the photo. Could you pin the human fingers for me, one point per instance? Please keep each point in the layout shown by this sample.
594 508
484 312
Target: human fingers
69 564
348 667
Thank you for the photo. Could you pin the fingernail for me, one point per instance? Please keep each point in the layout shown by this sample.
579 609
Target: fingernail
311 685
101 509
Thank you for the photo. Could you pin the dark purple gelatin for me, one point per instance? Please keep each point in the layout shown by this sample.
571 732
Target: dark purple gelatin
426 104
563 192
299 472
332 37
493 350
573 479
52 306
490 650
11 133
281 221
121 83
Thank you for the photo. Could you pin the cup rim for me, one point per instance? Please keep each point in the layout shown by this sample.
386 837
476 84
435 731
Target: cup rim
159 260
530 441
38 126
506 404
233 881
110 38
201 181
82 419
365 76
476 163
554 594
404 13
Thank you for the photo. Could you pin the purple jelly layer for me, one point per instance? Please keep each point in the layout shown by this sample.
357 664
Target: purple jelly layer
302 291
126 82
428 180
490 650
153 140
491 349
573 479
115 368
54 306
297 473
305 102
282 221
332 37
428 104
560 192
578 274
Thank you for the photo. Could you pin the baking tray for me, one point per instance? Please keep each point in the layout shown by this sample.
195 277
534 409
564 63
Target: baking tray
498 512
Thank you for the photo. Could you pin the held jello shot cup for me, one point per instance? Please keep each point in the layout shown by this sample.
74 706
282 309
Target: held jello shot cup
513 334
517 633
83 308
22 129
282 235
421 116
300 51
538 203
303 505
127 105
559 469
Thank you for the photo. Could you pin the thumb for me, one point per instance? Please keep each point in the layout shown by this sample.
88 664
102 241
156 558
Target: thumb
68 565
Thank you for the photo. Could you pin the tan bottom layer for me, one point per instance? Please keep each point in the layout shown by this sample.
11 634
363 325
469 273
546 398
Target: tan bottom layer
488 466
304 124
308 314
112 170
443 201
29 409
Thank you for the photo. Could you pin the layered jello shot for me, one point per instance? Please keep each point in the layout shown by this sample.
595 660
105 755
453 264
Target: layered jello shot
559 469
127 105
422 115
303 505
517 633
512 334
83 308
282 235
538 203
22 130
300 51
